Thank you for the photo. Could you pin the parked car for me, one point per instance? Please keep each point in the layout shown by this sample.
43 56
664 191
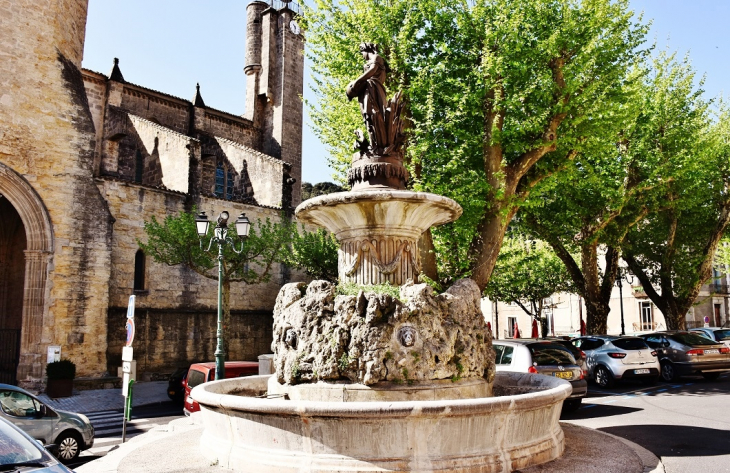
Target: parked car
200 373
683 353
718 334
543 357
72 433
612 358
176 384
578 354
21 452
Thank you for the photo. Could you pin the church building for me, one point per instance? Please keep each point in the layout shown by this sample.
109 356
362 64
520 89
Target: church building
87 158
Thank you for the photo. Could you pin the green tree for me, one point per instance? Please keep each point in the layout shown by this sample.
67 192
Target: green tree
175 242
321 188
527 273
315 253
500 94
672 251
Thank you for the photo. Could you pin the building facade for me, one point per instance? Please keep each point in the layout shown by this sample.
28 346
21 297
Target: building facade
87 158
565 311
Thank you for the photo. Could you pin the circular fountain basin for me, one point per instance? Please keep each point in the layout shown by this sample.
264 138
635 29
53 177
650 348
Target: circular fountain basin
515 429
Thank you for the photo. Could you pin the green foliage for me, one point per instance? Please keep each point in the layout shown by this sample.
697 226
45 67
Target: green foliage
321 188
175 241
527 273
352 289
313 252
344 361
672 251
500 94
63 369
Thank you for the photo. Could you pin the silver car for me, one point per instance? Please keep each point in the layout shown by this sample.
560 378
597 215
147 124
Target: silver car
546 358
20 452
718 334
684 353
70 432
611 358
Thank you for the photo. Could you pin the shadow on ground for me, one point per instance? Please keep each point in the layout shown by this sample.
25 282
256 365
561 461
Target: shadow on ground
675 440
595 411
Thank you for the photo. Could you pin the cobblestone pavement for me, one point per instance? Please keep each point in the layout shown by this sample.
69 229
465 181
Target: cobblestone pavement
95 400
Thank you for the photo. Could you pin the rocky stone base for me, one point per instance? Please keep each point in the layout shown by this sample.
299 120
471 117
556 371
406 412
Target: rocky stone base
371 338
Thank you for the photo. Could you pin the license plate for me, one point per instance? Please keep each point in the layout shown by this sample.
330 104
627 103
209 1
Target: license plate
563 374
642 371
712 352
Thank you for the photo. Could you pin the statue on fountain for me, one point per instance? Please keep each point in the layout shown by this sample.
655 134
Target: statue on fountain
378 160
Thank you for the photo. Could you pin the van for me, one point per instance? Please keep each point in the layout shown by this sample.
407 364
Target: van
200 373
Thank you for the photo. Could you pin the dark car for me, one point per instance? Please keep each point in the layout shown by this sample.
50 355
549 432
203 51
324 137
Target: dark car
20 452
683 353
176 384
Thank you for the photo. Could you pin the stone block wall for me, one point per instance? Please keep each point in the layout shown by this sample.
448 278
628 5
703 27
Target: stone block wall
46 149
168 111
168 339
231 127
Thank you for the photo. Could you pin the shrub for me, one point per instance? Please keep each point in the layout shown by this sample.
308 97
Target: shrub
64 369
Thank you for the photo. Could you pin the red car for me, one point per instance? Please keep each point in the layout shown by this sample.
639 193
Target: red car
200 373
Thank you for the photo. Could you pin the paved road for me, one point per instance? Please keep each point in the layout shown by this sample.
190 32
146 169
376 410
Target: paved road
686 424
108 426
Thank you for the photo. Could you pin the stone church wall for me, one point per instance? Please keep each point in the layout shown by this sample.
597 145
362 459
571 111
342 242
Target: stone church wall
47 140
168 111
231 127
176 312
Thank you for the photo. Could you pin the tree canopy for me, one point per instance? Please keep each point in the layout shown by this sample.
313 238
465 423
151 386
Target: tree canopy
500 95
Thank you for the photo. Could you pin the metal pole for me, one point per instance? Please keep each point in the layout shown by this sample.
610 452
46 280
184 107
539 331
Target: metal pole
621 297
220 353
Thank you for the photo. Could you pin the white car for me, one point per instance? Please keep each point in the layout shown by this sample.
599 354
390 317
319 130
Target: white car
611 358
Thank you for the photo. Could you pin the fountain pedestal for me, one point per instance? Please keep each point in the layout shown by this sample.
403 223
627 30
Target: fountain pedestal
378 230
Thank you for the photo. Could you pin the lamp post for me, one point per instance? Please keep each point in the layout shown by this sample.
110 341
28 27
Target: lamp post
220 237
620 278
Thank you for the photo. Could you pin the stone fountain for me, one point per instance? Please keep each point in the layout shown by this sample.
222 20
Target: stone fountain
372 382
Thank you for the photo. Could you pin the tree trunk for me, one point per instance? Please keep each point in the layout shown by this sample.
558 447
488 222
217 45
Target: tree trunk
428 256
485 247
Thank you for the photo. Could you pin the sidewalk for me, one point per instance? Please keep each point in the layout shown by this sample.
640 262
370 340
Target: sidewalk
586 451
95 400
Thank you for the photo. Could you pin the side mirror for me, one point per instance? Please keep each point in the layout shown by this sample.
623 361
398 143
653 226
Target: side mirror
52 448
665 344
44 411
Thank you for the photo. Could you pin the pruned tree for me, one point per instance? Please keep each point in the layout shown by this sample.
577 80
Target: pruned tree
175 241
315 253
527 273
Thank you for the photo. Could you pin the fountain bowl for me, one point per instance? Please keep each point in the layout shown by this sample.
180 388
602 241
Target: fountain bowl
517 428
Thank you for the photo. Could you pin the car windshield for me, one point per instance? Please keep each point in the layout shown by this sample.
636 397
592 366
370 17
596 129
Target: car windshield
691 339
17 448
195 378
630 343
551 354
722 334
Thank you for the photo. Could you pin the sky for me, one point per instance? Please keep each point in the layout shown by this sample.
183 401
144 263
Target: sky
170 45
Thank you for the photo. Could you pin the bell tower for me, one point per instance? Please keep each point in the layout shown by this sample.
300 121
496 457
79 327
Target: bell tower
275 81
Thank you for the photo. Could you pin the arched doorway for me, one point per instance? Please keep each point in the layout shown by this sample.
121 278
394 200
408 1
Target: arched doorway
26 246
12 276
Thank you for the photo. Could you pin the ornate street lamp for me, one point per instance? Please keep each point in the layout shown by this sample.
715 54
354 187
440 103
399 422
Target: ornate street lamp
220 237
621 276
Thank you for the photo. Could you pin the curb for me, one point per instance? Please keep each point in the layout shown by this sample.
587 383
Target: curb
652 463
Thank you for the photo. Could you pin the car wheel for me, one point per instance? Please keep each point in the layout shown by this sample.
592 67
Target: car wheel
603 377
572 405
711 376
669 374
69 446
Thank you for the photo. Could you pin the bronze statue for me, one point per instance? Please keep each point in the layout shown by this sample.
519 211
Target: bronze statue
378 160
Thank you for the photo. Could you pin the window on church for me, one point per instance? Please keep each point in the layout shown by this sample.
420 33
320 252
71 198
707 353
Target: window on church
138 167
139 270
224 181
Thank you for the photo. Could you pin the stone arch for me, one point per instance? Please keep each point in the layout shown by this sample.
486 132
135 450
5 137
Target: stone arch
38 254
